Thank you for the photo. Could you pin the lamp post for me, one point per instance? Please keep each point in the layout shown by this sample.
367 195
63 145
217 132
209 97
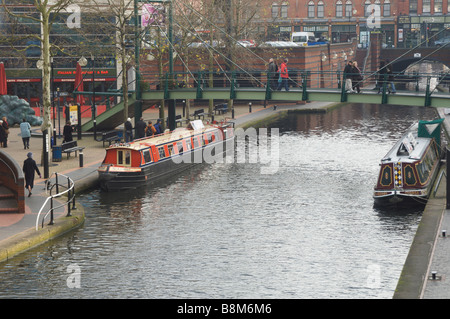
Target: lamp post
59 113
45 144
138 103
93 97
82 62
52 88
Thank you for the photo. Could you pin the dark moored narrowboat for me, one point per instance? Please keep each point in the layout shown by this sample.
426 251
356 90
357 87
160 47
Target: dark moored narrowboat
148 160
408 170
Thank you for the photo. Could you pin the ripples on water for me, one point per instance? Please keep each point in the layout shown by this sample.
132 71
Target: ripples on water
227 231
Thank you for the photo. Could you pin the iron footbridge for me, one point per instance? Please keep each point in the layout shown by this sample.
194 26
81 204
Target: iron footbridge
427 90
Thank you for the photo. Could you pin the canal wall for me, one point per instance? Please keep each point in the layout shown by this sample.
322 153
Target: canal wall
30 238
416 270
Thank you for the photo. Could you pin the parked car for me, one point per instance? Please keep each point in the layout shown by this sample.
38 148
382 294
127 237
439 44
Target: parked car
247 43
278 44
443 41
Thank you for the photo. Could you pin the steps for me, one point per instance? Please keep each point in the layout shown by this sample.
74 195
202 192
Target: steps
114 117
111 118
8 203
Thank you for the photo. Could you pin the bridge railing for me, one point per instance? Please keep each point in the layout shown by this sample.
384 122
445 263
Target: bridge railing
413 82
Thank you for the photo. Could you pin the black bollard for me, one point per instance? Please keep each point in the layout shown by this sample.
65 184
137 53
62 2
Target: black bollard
81 158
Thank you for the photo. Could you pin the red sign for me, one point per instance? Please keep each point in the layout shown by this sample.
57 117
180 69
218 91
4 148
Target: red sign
69 72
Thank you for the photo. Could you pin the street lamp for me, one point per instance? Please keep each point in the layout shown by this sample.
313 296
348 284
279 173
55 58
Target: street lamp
52 88
82 62
138 104
45 146
93 97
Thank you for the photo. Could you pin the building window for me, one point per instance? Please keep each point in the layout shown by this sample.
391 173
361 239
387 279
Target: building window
387 8
348 9
284 10
275 10
311 9
320 9
426 6
339 9
437 6
413 6
366 8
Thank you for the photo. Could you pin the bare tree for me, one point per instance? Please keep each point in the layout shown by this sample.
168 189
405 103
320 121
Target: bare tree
117 17
43 12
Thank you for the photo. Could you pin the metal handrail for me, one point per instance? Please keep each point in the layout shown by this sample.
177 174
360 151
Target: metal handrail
258 78
70 190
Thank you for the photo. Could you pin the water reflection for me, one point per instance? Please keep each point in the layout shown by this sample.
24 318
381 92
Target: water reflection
227 231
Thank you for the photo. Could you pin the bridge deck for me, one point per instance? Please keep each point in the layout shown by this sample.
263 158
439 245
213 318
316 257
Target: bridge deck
367 95
437 99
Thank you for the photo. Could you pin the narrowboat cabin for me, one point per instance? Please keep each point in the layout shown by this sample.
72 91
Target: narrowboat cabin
408 170
148 160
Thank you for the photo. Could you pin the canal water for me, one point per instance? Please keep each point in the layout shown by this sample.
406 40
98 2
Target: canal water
227 231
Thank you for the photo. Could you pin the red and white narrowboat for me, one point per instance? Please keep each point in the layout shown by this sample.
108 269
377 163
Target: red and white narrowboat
148 160
409 169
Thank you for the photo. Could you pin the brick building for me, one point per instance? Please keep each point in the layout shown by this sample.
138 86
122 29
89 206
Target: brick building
402 23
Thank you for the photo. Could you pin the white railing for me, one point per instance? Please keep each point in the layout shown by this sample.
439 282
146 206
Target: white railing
69 190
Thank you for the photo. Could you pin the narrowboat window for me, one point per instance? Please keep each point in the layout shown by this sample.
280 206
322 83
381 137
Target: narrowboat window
196 144
127 157
124 157
217 136
170 149
180 147
188 144
147 157
161 151
423 172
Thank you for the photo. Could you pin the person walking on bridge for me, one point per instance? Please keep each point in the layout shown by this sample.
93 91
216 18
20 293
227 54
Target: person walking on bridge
356 78
284 75
348 70
272 74
381 76
390 73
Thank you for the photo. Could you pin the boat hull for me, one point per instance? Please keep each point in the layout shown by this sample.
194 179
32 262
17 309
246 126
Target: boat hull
398 199
111 180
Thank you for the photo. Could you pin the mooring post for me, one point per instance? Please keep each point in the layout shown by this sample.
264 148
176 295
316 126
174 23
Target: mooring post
447 157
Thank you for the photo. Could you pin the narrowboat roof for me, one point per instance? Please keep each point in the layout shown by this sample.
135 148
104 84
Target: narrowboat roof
409 148
167 137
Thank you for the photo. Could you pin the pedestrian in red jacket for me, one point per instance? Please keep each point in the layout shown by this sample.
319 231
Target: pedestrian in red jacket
284 76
